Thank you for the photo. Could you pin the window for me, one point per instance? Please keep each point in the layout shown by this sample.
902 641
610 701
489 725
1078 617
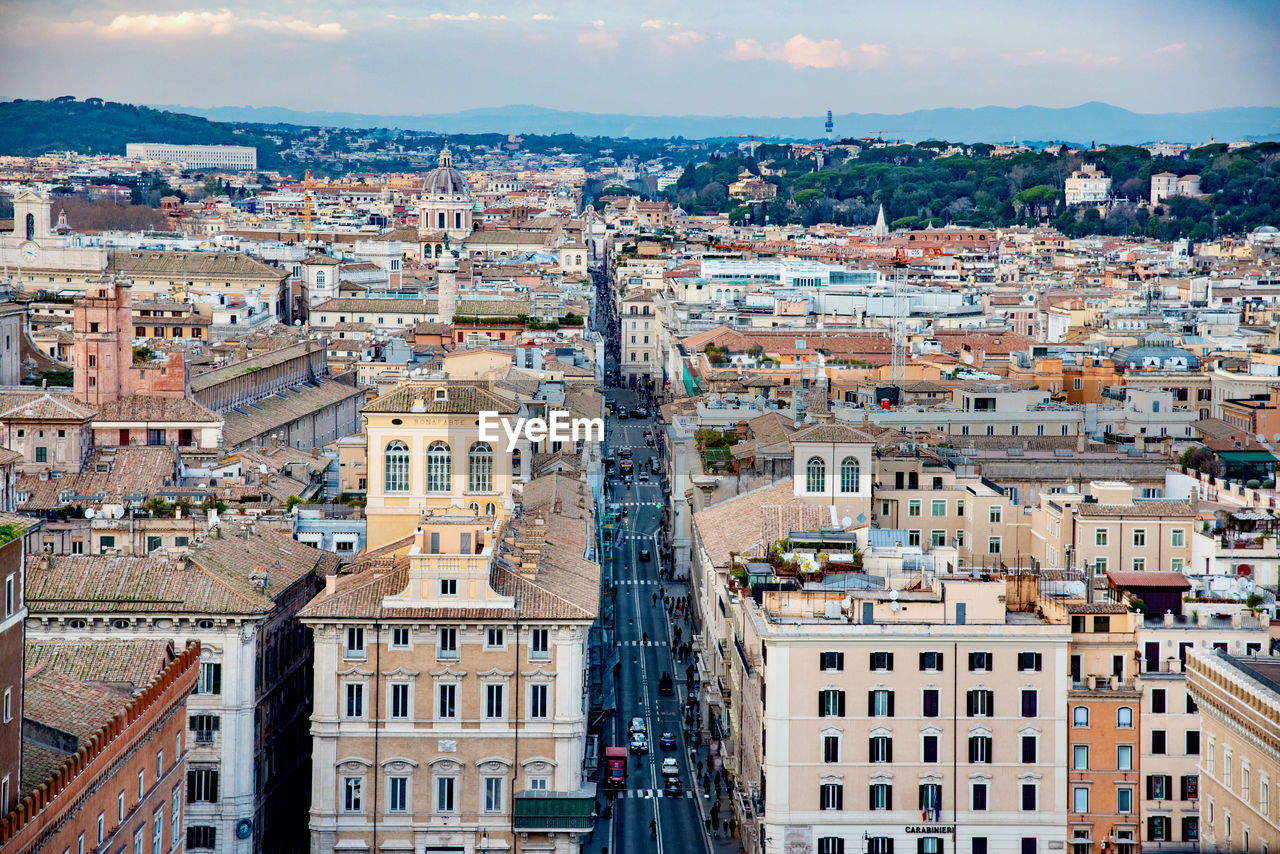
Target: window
101 826
1099 536
1080 716
881 661
1158 742
355 643
1080 757
352 789
830 845
1124 757
493 701
202 786
439 467
42 455
447 700
993 545
1191 830
929 749
979 661
815 475
537 701
399 699
830 703
1029 703
396 467
142 784
881 748
930 661
445 794
539 645
1158 701
1124 800
880 845
1158 828
495 638
929 703
1176 537
400 637
937 538
994 514
937 507
538 784
1028 797
1159 787
880 704
1029 661
831 748
881 796
831 796
979 748
448 586
8 716
850 475
831 661
931 797
913 507
448 645
175 817
493 794
202 837
157 831
1030 749
397 794
355 700
1124 717
480 468
978 797
210 678
979 702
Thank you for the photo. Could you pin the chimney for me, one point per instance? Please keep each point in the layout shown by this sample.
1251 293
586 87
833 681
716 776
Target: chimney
331 584
1168 618
1082 443
1140 441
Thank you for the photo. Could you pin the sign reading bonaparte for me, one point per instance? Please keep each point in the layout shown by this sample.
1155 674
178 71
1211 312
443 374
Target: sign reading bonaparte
559 428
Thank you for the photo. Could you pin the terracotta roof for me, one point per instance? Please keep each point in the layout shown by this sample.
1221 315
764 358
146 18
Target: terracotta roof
149 407
129 470
462 399
832 433
214 580
376 306
1129 578
141 263
68 704
749 523
1142 509
127 665
43 405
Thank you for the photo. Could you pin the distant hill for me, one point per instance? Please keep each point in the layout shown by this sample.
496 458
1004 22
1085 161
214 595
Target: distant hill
1085 123
95 126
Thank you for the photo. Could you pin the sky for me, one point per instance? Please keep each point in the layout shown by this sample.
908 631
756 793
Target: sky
647 57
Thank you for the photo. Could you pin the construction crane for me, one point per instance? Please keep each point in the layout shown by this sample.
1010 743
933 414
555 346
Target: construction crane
306 208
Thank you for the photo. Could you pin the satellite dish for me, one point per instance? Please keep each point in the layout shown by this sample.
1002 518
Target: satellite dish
846 603
846 521
89 513
893 595
262 468
118 511
894 606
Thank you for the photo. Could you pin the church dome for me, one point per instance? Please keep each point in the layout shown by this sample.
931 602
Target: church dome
445 180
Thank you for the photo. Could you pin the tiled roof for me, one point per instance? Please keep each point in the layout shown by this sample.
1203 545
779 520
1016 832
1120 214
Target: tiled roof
1142 509
249 420
67 704
150 407
43 405
129 470
141 263
376 306
238 367
749 523
128 665
463 399
1130 578
832 433
215 579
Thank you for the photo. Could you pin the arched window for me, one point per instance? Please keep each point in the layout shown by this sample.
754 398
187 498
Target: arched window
31 226
1080 716
480 468
396 467
1124 716
815 474
320 278
515 463
439 467
474 508
850 475
491 509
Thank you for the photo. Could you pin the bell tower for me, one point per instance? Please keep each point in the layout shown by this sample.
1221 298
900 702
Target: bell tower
31 216
102 323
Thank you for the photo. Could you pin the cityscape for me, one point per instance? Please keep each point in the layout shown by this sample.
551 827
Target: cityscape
805 430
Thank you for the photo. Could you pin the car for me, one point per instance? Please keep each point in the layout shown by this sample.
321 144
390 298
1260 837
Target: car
666 685
644 475
645 554
667 741
625 453
670 768
648 440
637 725
673 786
638 413
639 742
623 415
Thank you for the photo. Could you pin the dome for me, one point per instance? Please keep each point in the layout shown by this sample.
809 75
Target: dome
445 180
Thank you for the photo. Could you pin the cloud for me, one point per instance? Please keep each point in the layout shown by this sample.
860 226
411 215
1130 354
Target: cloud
470 16
221 22
654 24
799 51
1174 49
684 38
597 39
542 16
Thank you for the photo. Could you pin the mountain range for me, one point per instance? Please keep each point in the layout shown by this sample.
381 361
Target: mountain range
1085 123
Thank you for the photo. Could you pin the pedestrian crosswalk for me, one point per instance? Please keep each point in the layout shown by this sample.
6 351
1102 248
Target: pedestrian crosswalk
639 582
642 643
649 794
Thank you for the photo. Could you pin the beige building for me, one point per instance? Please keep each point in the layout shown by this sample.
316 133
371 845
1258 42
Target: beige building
449 689
425 452
1239 698
640 333
882 720
1110 529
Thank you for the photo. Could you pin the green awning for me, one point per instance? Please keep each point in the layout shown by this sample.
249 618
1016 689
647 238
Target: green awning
536 810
